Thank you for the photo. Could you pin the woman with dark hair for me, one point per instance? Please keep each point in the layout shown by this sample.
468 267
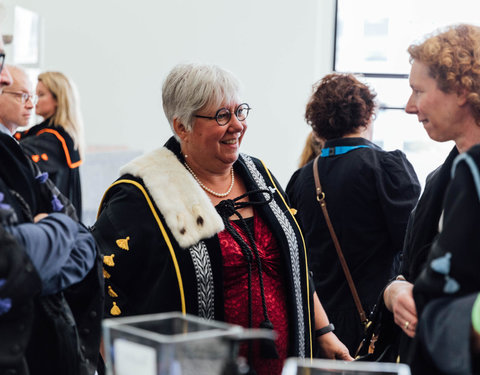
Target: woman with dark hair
369 193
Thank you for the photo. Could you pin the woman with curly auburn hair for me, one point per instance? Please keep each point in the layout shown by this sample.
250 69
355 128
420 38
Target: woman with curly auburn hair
445 82
369 193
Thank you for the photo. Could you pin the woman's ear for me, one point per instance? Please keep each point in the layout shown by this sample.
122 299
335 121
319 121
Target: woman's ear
179 128
462 97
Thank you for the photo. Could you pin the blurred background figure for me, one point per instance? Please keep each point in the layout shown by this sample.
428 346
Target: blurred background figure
313 146
369 194
17 101
57 144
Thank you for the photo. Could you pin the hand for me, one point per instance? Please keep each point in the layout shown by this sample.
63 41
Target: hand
39 217
332 348
399 300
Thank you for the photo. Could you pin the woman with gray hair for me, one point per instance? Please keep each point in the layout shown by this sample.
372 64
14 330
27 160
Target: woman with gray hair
197 227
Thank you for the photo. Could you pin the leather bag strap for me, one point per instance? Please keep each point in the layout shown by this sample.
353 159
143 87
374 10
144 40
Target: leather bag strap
321 199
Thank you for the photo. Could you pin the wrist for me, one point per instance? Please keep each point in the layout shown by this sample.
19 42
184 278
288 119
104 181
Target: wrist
324 330
392 291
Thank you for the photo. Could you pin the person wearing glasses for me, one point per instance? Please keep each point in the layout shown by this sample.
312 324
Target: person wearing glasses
198 227
16 102
51 290
56 145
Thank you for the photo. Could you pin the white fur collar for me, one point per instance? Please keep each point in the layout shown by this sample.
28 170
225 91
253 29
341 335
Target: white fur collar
188 212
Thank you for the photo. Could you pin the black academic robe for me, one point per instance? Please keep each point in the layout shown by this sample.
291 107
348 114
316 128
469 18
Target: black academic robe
65 327
451 269
369 195
52 149
158 231
20 284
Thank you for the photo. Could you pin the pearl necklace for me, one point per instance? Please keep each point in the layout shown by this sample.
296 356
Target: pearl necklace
208 190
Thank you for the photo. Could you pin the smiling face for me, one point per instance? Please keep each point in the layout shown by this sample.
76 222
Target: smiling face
12 112
209 146
438 111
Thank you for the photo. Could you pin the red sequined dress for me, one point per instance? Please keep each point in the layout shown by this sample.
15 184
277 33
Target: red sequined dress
236 291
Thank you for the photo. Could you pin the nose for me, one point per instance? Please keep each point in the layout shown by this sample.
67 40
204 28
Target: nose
5 78
411 108
29 103
235 125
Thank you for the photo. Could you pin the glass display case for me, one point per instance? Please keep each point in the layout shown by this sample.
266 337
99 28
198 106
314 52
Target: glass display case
296 366
173 344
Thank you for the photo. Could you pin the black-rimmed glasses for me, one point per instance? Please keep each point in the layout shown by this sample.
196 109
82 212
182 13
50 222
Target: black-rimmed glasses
224 115
23 96
2 61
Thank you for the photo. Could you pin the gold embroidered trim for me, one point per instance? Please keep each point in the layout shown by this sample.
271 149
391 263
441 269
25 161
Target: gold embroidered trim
108 260
115 310
162 230
106 275
111 292
122 243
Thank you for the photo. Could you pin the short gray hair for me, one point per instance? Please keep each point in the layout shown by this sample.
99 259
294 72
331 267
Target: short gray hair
191 87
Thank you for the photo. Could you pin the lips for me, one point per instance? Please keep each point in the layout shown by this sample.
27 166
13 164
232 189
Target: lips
423 121
230 141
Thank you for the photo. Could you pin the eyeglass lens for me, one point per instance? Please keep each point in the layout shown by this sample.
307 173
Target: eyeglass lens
2 61
223 115
242 112
33 98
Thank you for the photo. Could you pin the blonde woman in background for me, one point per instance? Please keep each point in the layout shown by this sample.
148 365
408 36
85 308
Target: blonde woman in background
313 146
57 144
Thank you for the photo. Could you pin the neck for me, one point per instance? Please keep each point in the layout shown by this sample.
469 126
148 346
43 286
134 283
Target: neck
468 137
8 128
216 185
362 132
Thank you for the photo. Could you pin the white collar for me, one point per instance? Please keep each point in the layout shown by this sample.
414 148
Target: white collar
4 129
188 212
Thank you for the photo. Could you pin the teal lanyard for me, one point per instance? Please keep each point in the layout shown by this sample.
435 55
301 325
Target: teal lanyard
339 150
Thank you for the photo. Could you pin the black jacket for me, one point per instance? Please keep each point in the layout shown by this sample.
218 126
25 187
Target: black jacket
158 232
369 195
52 149
65 327
450 278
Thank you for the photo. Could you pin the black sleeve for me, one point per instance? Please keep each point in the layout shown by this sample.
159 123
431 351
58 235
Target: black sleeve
128 239
19 284
398 189
452 266
444 333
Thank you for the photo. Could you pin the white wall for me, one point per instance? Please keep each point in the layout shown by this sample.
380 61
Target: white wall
118 53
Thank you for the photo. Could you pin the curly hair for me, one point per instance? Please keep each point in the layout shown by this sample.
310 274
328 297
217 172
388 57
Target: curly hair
453 60
339 105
